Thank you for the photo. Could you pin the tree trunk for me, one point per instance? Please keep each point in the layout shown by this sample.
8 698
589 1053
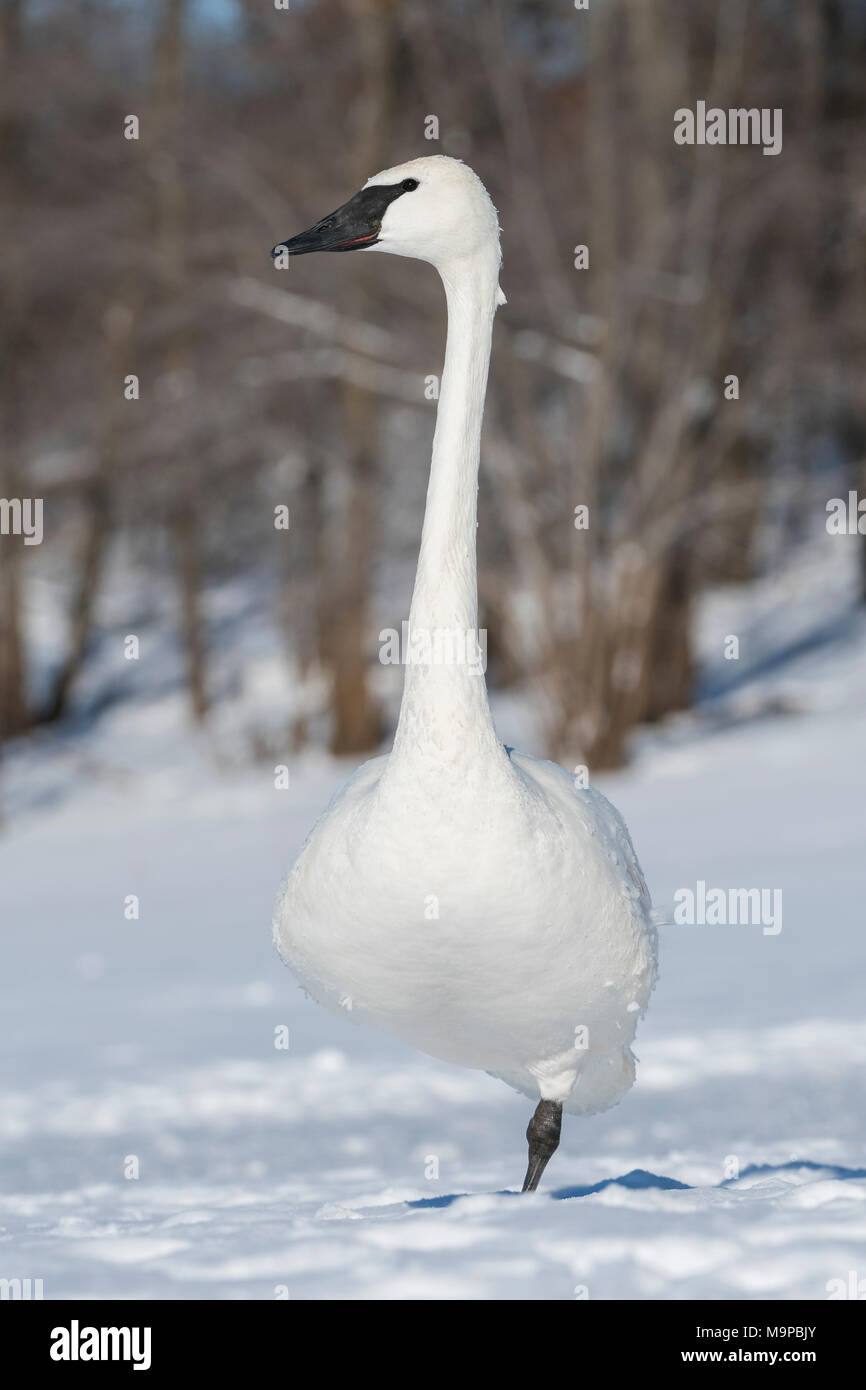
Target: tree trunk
14 714
356 717
171 208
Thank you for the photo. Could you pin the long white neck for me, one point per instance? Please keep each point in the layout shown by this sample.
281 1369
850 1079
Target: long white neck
445 721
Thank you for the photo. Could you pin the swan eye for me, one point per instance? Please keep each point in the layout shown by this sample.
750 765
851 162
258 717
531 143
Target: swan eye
409 185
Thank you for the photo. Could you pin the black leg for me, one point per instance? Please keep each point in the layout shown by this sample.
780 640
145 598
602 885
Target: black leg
543 1136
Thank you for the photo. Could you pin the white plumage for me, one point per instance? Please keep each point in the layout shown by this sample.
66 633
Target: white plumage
468 899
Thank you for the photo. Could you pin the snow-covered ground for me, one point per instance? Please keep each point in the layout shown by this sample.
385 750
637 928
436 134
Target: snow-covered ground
347 1166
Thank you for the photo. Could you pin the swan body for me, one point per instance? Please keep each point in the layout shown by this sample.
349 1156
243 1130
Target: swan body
463 897
486 930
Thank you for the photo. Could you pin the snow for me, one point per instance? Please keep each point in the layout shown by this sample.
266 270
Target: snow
735 1168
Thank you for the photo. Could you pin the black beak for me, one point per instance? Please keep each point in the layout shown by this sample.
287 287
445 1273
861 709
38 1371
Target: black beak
352 227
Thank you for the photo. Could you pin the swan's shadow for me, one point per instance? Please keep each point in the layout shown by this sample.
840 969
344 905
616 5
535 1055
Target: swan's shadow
640 1179
835 1170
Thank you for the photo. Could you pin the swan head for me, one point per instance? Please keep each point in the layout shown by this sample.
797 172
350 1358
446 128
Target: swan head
433 209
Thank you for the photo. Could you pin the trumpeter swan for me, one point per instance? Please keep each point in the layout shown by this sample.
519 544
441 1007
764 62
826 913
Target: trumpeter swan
463 897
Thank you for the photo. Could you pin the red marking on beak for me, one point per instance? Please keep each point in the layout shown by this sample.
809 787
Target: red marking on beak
356 241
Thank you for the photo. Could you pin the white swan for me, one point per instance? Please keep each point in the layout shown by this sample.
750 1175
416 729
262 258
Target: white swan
463 897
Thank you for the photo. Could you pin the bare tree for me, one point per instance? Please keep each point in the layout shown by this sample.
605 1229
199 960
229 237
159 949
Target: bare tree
607 386
13 356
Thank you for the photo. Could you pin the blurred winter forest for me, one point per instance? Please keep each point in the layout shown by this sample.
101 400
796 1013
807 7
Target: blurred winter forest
308 388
